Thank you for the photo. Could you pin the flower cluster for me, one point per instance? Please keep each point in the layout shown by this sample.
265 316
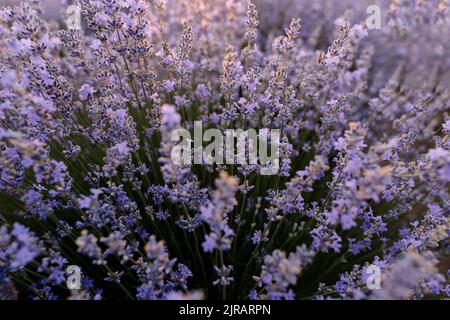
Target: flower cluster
87 178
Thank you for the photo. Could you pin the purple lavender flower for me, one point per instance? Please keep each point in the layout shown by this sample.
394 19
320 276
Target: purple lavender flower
87 177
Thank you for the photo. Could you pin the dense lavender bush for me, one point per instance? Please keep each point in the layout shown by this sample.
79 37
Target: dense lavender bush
87 179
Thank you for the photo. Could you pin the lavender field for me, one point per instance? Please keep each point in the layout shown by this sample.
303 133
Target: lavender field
224 149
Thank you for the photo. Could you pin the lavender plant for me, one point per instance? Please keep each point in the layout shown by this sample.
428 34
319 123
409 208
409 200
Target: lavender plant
87 178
